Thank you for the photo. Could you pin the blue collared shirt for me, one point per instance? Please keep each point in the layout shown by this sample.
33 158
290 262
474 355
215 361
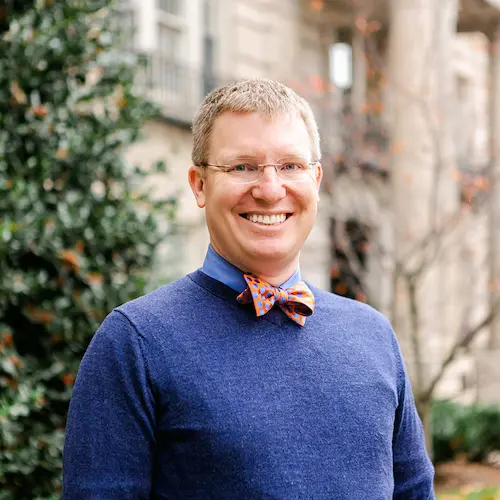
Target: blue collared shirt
221 270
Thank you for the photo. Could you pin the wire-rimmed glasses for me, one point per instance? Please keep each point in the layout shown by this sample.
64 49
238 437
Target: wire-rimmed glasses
249 170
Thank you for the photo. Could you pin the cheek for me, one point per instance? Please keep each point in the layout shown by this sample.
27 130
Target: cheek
306 198
222 199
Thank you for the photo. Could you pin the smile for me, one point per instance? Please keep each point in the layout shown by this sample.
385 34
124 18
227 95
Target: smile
267 220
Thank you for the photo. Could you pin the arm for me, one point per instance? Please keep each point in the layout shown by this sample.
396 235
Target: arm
110 433
413 470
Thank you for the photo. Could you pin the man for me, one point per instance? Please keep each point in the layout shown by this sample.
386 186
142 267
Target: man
239 380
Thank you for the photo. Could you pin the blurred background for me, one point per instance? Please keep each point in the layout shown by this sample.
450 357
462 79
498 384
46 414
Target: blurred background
96 103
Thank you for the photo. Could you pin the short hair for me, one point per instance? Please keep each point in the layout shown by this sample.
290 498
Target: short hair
269 98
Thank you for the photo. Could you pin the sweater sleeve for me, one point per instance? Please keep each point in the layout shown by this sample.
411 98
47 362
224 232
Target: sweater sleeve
413 470
110 432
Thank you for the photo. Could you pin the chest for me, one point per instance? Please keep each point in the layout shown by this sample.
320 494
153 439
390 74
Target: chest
234 406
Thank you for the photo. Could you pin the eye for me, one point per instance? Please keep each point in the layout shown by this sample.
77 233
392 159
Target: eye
291 166
242 167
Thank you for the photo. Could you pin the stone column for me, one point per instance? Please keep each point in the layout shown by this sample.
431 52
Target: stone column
423 193
494 180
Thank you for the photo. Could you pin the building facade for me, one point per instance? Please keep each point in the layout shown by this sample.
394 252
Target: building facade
341 57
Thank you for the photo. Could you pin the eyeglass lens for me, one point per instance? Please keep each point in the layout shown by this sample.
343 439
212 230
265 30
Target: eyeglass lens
294 169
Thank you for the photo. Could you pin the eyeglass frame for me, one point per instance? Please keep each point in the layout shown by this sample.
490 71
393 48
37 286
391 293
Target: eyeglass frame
261 167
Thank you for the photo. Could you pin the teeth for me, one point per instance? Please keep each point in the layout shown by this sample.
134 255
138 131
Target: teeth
267 219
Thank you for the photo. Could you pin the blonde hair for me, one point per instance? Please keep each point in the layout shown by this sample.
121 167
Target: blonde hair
269 98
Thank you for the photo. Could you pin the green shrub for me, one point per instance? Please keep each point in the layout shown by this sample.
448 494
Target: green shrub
76 237
468 494
472 431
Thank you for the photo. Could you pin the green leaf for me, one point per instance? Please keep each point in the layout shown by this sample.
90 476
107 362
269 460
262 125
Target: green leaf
78 235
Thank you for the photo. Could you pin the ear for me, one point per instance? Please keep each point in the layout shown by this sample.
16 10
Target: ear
318 177
197 183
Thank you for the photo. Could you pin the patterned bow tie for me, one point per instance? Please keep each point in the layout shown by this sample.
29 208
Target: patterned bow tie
296 302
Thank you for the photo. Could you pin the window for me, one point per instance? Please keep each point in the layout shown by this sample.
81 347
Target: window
169 71
169 41
349 243
209 80
341 65
171 28
173 7
179 41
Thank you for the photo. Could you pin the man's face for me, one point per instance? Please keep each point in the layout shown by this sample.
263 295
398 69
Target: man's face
255 246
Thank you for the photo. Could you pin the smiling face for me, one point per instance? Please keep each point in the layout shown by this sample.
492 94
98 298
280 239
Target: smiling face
258 227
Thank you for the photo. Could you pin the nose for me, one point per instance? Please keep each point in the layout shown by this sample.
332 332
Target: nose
269 187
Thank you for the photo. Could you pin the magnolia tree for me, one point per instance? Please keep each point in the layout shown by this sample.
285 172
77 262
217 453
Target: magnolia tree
77 232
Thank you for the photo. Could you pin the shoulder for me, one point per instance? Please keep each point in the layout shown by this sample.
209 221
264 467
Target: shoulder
174 296
135 325
355 322
171 308
349 309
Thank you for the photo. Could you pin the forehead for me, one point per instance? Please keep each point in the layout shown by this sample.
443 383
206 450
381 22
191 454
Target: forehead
252 134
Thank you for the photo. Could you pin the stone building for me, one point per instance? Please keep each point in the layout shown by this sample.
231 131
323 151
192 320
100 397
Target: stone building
394 85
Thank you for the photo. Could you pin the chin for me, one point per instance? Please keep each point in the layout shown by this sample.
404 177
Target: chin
271 252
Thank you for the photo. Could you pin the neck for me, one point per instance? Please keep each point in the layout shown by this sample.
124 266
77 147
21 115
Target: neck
273 272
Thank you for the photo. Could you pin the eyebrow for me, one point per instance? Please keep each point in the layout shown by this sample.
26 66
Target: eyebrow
292 154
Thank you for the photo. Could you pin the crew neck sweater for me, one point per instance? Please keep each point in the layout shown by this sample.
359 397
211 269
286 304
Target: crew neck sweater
185 394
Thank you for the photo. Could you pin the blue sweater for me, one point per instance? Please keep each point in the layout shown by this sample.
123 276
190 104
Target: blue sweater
185 394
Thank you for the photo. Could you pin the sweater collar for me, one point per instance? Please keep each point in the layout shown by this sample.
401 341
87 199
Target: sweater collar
221 270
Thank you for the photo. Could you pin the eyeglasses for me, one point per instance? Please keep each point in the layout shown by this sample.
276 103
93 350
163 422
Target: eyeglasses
248 170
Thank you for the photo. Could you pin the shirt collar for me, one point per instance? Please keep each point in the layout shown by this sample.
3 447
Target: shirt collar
220 269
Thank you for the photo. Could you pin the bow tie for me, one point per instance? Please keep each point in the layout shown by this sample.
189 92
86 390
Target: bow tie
296 302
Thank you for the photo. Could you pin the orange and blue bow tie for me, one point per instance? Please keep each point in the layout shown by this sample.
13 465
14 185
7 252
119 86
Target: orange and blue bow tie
296 302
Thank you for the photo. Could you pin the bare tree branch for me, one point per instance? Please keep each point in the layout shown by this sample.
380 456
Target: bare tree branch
465 341
415 331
